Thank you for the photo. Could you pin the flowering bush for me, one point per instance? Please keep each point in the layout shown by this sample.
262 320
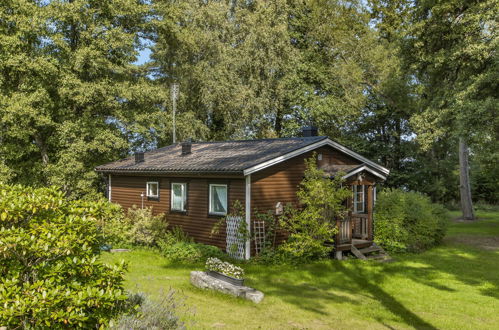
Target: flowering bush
226 268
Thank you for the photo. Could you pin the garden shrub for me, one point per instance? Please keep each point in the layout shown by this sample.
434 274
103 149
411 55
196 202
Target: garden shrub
145 314
179 247
146 229
269 254
408 221
50 276
314 223
113 226
136 227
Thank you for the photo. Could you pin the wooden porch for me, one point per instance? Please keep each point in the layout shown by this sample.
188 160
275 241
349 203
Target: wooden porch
355 237
355 230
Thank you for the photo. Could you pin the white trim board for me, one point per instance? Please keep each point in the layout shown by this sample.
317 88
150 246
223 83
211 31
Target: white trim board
367 169
248 215
311 147
109 189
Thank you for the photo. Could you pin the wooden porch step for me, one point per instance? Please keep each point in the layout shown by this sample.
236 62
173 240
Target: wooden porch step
357 253
372 248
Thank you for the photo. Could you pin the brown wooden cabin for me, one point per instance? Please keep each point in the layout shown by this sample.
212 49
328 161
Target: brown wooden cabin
196 183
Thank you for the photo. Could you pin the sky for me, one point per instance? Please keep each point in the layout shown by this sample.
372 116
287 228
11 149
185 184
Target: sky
143 56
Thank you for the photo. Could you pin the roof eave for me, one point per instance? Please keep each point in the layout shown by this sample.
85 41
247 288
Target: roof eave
364 168
327 141
165 172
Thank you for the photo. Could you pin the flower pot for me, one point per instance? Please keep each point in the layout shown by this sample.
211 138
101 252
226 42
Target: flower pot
228 279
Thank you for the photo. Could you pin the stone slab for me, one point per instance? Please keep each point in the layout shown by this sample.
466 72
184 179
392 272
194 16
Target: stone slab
119 250
205 281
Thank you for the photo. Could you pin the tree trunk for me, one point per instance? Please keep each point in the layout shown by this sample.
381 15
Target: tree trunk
278 122
464 184
43 149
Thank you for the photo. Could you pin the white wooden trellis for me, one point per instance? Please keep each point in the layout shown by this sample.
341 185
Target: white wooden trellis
235 240
259 232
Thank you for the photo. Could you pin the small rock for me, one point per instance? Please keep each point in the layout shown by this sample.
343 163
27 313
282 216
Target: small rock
218 325
205 281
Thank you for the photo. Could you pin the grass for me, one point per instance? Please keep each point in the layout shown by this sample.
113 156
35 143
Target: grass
455 285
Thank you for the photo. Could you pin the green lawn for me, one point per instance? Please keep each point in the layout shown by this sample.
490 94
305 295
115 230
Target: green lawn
453 286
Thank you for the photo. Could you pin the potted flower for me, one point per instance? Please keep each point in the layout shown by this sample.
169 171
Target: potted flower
225 271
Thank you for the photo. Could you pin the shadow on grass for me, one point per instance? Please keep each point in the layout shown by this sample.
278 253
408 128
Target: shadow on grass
309 287
349 277
464 263
315 287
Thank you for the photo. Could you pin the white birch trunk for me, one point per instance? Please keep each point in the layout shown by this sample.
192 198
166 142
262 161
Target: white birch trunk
464 181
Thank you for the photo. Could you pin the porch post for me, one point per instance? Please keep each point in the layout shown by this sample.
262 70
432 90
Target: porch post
248 215
370 212
109 188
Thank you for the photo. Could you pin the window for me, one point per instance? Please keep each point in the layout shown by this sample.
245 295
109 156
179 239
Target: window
358 198
218 199
152 189
179 197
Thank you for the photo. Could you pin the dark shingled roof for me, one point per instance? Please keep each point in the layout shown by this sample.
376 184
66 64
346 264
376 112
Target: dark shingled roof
335 168
211 157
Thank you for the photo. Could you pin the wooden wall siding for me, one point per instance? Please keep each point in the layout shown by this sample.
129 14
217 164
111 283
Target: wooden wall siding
279 183
126 190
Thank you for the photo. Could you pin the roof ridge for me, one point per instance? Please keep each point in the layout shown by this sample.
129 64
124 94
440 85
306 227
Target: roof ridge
256 140
321 137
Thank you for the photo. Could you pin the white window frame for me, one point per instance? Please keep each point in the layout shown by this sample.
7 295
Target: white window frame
157 190
211 211
184 196
355 201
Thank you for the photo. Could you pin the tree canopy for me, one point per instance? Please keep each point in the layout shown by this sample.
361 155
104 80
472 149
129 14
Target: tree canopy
399 81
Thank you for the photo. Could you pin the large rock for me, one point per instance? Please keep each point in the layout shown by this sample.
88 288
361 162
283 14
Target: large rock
205 281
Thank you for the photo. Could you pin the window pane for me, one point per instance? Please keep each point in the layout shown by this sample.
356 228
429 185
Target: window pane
177 197
358 198
219 199
152 189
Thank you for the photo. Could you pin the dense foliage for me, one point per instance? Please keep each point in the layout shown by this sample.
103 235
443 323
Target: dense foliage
70 97
133 227
178 247
313 223
408 221
400 81
50 276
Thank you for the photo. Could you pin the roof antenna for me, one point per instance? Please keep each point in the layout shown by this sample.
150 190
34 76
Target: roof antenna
174 92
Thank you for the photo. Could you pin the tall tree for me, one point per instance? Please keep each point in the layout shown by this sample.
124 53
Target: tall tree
382 131
454 48
70 97
232 60
265 68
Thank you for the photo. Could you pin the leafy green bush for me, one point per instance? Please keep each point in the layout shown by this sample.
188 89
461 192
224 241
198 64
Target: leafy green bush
179 247
50 276
146 229
136 227
313 224
408 221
